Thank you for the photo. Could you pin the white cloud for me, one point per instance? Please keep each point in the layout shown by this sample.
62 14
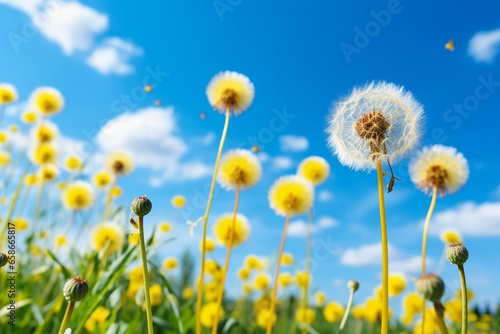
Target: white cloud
327 222
263 157
150 134
470 219
27 6
299 228
290 143
281 163
205 140
325 196
113 56
485 45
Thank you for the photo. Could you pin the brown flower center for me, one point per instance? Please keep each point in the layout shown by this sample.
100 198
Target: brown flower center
373 126
437 177
118 167
229 98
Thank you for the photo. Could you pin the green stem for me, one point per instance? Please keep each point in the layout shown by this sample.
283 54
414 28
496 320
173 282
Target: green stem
308 259
347 311
145 274
67 316
199 297
465 308
385 252
440 317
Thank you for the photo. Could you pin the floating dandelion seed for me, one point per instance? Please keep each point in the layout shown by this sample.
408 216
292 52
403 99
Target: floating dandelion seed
157 102
255 149
203 116
450 45
148 88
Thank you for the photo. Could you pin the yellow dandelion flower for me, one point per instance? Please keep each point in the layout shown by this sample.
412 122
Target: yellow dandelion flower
470 294
441 167
135 275
412 303
377 292
243 274
48 101
333 312
247 288
60 240
451 237
377 121
188 293
305 315
3 200
97 319
264 317
108 237
8 94
13 128
303 279
170 263
211 267
407 319
262 281
165 227
120 163
116 191
44 132
359 312
155 294
44 234
253 262
133 239
239 169
397 284
4 158
178 201
208 313
223 229
29 117
430 324
285 280
373 310
101 179
320 298
78 195
210 245
4 137
44 153
73 163
291 195
30 180
314 169
21 224
47 173
230 91
287 259
454 310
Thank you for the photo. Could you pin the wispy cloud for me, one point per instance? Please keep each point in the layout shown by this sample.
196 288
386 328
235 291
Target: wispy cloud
113 56
299 228
485 45
290 143
325 196
281 163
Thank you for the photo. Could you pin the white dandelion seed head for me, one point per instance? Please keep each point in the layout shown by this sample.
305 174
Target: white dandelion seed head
230 91
401 131
439 166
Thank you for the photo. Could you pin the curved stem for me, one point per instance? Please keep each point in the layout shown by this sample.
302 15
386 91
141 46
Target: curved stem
424 243
67 316
145 274
276 276
347 311
465 308
199 297
385 252
108 200
226 264
440 317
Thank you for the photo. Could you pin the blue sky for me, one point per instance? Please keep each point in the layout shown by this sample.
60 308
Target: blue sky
302 57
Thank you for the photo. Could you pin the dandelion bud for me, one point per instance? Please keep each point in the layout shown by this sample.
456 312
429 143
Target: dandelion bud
353 285
457 254
75 289
141 206
430 286
3 259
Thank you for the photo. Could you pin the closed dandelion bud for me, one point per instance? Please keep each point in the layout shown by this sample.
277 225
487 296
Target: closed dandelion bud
141 206
3 259
353 285
430 286
457 254
75 289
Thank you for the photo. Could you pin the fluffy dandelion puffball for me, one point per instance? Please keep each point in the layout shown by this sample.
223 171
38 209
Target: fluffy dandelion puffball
302 279
287 259
178 201
210 245
441 167
285 280
4 137
78 195
29 117
265 317
48 101
262 281
305 315
44 132
208 313
320 298
397 284
253 262
44 153
379 120
4 158
47 172
120 162
223 229
451 237
8 93
108 237
101 179
239 169
73 163
333 311
170 263
314 169
230 91
291 195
